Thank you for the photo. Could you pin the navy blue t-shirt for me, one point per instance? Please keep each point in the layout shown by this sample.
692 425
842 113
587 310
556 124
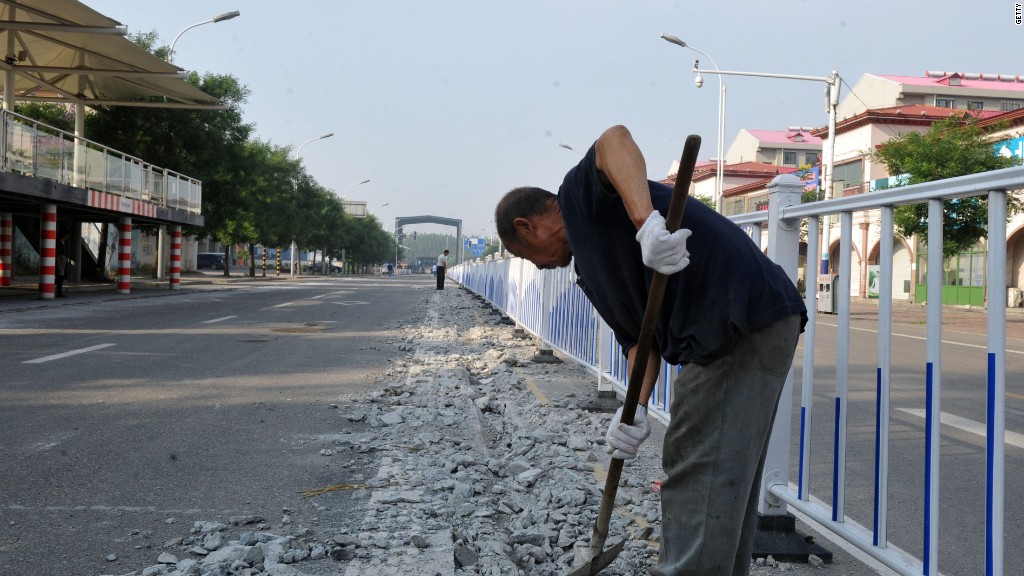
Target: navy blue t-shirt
729 290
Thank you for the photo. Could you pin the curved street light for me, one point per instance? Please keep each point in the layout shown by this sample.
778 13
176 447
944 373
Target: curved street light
344 196
567 147
719 152
214 20
320 137
378 206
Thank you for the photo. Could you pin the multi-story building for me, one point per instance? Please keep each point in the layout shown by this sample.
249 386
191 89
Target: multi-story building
856 172
735 178
878 109
956 90
793 147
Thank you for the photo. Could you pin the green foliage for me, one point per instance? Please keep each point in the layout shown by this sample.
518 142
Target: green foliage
56 115
429 245
951 147
705 200
254 192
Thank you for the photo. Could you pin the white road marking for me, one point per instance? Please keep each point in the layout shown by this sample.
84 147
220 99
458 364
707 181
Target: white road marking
952 342
350 303
219 319
66 354
282 305
979 428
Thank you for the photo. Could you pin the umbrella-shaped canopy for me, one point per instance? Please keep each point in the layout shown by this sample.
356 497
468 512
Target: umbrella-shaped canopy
64 51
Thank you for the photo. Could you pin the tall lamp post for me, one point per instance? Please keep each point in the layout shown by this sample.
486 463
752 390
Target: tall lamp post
214 20
831 103
320 137
567 147
719 150
370 211
344 196
170 58
294 247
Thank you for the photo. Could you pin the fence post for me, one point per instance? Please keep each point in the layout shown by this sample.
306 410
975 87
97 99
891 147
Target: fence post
995 471
784 250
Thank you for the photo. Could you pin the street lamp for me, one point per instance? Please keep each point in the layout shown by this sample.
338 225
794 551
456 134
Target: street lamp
344 197
379 206
214 20
719 151
397 246
320 137
170 58
831 103
567 147
294 247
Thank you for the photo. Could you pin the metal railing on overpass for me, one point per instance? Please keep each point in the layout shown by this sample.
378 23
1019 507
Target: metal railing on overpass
550 305
36 149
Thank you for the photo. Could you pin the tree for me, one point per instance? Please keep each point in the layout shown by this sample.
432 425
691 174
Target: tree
208 145
368 243
60 117
952 147
271 196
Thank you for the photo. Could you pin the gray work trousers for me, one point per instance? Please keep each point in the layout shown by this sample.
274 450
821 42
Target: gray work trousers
714 452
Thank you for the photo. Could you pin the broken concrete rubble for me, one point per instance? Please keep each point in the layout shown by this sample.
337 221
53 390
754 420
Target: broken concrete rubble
477 475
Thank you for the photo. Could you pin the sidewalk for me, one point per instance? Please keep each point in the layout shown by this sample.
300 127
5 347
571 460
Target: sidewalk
24 294
970 320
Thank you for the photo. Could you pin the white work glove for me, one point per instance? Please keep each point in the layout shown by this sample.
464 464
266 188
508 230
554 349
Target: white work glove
622 440
661 251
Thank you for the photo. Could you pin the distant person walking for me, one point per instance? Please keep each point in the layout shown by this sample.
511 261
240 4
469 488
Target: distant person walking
61 266
442 265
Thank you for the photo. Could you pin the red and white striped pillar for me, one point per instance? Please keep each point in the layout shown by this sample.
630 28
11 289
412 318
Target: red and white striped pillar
47 251
124 256
6 247
175 257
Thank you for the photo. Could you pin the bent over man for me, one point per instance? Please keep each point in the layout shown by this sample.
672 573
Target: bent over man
731 319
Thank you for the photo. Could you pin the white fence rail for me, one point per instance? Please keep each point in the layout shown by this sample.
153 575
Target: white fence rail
35 149
551 306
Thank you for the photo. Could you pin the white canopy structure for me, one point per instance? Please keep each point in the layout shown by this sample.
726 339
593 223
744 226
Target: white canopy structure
64 51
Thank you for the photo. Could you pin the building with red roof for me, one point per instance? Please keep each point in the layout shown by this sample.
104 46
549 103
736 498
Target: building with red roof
955 90
794 147
879 108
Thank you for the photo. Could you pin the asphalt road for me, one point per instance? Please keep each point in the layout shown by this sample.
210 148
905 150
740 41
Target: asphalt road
962 486
124 420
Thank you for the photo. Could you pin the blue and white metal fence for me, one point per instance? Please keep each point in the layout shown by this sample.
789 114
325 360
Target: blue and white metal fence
550 305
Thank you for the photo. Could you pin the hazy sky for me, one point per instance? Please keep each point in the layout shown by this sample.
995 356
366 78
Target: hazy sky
446 105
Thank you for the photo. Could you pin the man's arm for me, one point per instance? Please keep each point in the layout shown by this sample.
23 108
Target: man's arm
621 165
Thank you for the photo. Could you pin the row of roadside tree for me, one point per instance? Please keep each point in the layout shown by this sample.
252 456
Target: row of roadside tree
254 192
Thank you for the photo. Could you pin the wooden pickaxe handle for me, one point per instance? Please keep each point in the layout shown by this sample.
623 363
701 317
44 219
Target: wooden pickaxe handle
676 208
